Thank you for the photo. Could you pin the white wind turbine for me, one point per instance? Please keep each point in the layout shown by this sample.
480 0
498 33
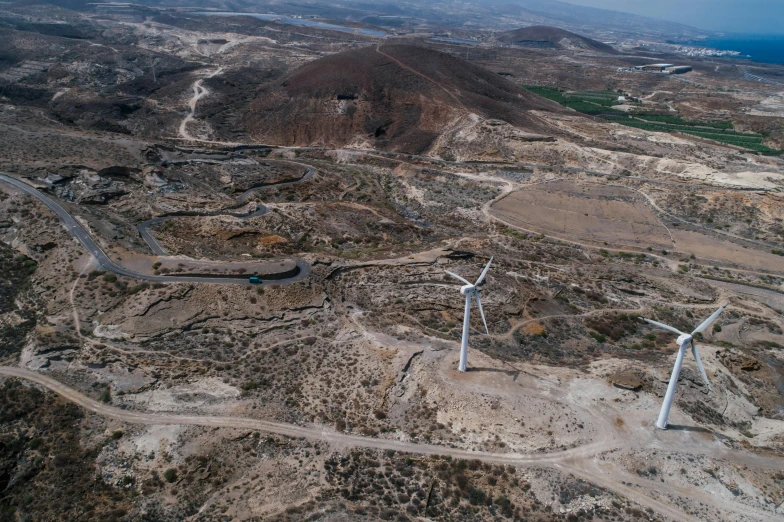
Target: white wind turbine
470 290
683 341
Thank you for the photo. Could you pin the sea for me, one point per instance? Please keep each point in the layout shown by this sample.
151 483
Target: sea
760 48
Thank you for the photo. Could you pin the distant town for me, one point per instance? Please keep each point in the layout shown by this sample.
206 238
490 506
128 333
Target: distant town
688 50
704 51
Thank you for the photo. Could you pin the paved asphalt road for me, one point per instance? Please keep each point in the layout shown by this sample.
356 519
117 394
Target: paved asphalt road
89 243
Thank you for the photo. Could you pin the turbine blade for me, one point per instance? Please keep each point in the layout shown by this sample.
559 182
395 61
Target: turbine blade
699 364
457 277
484 272
664 326
482 312
707 322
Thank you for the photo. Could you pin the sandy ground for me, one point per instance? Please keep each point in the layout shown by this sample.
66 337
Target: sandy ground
584 213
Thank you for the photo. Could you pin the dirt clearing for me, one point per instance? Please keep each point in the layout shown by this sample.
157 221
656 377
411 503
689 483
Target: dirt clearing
582 212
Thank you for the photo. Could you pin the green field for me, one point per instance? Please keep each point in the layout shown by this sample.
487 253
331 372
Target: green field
588 102
599 103
677 120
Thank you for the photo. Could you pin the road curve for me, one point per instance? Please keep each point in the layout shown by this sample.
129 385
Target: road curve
567 460
580 461
76 230
293 430
158 250
199 92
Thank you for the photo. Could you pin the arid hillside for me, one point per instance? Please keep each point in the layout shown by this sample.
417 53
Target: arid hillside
396 97
553 37
233 250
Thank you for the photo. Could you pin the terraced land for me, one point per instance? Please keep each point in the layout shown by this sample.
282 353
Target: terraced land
708 247
710 131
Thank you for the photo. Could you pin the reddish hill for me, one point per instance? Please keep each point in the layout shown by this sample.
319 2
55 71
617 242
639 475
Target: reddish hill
399 97
545 36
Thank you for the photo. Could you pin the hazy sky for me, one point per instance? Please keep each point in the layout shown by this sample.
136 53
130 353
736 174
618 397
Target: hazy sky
742 16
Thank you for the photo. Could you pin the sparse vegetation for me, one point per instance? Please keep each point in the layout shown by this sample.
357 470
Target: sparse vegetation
425 160
170 475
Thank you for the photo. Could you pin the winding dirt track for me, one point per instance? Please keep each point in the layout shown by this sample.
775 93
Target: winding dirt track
292 430
199 92
579 461
560 459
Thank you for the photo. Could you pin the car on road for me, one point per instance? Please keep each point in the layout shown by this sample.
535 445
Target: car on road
255 280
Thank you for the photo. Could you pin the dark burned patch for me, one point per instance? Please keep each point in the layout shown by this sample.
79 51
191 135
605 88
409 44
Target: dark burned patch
25 94
236 88
16 270
40 452
165 81
75 31
564 341
97 113
613 326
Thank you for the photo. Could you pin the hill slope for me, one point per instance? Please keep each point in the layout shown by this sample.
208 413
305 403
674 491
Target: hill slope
545 36
398 97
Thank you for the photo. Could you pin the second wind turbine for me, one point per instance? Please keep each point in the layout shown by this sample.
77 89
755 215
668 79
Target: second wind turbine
470 290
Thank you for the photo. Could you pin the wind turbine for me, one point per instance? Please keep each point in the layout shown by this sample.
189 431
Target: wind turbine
470 290
683 341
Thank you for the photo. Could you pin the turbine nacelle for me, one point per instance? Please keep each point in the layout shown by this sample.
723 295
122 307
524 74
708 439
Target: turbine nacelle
684 339
468 289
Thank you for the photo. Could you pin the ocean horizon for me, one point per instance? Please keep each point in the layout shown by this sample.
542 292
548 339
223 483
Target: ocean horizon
766 48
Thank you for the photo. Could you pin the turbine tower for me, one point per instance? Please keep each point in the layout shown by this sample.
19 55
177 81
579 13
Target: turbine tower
683 341
469 291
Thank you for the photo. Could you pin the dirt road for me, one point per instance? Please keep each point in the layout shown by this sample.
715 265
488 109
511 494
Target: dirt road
292 430
580 461
424 76
199 92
